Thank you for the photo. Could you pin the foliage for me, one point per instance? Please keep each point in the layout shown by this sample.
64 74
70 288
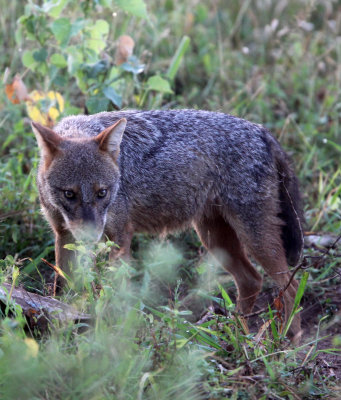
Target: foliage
79 49
134 350
271 62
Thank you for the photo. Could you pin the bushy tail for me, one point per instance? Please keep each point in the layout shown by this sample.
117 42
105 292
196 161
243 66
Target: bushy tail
291 210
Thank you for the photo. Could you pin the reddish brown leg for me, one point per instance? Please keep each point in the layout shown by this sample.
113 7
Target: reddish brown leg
221 240
274 262
123 240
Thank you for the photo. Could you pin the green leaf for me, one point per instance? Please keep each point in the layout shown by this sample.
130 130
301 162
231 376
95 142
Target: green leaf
74 60
101 27
159 84
97 104
40 55
15 273
97 33
61 29
226 297
77 26
133 65
60 80
93 70
29 268
111 94
273 324
134 7
335 145
98 30
106 3
71 246
29 22
58 60
54 7
28 60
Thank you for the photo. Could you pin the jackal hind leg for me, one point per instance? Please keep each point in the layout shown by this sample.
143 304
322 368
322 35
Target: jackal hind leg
221 240
269 251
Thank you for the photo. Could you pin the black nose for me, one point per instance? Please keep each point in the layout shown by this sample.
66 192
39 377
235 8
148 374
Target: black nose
88 214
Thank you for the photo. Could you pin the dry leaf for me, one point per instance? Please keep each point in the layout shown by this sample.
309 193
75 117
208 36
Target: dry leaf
58 270
262 329
278 304
125 47
17 91
279 309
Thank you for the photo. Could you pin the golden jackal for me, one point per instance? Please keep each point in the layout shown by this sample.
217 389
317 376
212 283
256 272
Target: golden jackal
116 173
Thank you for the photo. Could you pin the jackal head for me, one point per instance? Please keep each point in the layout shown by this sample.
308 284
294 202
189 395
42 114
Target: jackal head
78 178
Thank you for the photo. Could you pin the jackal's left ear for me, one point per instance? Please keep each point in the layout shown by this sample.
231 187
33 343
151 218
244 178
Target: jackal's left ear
110 139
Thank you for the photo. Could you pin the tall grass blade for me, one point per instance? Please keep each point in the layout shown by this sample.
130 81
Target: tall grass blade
177 58
298 297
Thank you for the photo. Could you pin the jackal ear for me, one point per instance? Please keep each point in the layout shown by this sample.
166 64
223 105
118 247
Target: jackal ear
110 139
48 140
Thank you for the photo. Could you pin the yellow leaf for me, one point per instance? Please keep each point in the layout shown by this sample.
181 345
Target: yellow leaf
45 108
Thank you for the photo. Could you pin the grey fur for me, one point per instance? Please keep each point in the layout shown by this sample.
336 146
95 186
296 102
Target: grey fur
227 177
177 165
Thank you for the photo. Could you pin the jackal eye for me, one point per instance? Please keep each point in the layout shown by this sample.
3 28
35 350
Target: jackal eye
102 193
69 194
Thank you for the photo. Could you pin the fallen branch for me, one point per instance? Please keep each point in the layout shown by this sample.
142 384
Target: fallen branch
39 310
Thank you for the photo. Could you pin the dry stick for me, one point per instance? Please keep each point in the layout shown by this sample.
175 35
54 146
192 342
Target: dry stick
93 287
256 313
58 272
55 285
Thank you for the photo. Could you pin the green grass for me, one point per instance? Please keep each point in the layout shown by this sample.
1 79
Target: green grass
274 63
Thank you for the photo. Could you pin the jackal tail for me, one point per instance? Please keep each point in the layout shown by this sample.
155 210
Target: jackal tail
290 209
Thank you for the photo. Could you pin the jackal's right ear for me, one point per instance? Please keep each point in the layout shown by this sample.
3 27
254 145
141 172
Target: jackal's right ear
110 139
48 140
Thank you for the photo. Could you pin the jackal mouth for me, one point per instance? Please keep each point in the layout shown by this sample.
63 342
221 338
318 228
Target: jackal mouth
88 233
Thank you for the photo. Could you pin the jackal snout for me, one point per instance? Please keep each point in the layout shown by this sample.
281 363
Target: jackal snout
85 230
88 223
